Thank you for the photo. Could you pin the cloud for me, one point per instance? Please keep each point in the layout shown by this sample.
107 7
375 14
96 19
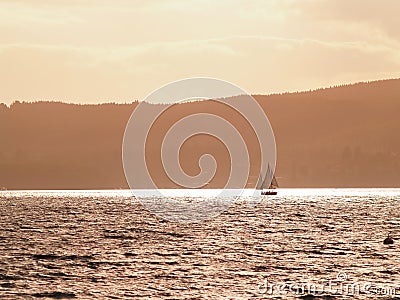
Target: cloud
123 49
258 64
367 16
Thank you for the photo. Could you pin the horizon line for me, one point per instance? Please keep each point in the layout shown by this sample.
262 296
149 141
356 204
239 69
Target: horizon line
252 94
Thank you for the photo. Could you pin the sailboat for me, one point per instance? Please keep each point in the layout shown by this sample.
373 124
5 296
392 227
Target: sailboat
262 184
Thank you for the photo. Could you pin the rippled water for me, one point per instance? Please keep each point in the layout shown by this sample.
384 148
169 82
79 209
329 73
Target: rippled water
105 245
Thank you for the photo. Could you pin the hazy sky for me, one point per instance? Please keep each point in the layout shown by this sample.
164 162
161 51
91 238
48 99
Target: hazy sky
121 50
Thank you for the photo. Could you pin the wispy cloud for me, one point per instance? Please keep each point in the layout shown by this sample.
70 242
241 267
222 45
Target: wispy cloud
121 50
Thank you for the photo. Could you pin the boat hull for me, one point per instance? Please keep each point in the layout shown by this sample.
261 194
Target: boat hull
269 193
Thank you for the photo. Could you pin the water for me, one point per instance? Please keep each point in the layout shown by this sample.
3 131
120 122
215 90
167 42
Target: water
103 244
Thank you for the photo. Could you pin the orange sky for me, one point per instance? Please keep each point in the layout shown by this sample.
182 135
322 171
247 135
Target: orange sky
121 50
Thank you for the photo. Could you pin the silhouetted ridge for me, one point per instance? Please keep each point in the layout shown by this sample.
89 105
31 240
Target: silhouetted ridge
343 136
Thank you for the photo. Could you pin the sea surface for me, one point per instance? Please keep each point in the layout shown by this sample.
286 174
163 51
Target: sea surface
300 244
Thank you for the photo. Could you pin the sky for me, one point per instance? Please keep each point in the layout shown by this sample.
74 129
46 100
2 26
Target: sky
121 50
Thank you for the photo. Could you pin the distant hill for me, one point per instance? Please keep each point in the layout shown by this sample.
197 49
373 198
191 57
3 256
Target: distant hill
346 136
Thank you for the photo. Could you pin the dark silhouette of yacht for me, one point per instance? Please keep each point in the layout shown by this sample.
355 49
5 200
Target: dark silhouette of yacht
262 184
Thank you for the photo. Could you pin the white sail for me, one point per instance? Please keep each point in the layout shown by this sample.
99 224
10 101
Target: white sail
259 183
269 181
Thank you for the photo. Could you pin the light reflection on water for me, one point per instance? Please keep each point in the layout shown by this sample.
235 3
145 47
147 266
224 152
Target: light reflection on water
297 192
89 244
